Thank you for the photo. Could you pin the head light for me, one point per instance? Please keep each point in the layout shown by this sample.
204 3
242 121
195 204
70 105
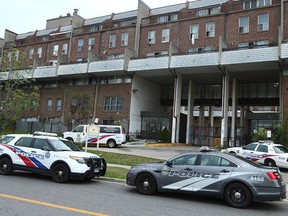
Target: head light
78 159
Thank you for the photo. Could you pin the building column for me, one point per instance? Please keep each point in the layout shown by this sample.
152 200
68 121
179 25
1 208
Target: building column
234 114
225 109
201 124
176 109
211 125
242 116
189 129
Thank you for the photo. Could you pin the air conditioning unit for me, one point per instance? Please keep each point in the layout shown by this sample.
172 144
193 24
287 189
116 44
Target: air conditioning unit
241 30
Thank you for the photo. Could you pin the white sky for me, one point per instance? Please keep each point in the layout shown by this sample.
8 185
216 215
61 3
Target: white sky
21 16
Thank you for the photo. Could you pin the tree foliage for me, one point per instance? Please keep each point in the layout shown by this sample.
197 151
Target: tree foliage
15 75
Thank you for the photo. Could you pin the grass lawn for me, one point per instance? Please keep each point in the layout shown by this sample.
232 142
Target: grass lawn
122 159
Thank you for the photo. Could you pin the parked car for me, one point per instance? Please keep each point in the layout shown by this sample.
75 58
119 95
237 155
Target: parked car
263 152
111 135
48 155
230 177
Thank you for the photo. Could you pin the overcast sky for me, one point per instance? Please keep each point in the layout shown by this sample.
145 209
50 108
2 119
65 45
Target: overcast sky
22 16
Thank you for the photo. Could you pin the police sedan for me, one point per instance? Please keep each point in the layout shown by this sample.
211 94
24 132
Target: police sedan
230 177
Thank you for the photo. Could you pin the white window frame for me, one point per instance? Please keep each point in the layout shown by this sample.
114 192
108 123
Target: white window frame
194 31
151 37
210 30
55 50
124 38
165 35
243 25
39 52
262 25
80 44
91 42
58 105
112 41
49 105
264 3
65 49
31 53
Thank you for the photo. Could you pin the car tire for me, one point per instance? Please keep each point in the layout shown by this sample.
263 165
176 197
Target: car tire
111 143
270 162
238 195
146 184
6 166
60 173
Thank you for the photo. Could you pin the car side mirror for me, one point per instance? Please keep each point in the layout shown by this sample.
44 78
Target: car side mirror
243 147
168 163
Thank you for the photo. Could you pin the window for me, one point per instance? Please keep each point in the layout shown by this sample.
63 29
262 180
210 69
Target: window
49 105
31 53
194 32
262 43
39 52
112 41
55 50
40 144
165 35
263 3
185 160
84 106
91 43
162 19
201 13
32 104
113 104
262 148
210 29
263 22
124 39
243 25
251 147
151 37
80 44
65 49
58 105
249 4
24 141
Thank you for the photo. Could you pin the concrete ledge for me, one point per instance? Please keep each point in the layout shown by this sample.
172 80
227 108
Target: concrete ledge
165 144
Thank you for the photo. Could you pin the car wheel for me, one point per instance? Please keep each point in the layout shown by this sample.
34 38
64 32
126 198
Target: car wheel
238 195
6 166
111 143
270 162
60 173
146 184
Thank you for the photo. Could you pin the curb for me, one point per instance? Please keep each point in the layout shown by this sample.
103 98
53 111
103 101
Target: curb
110 179
165 144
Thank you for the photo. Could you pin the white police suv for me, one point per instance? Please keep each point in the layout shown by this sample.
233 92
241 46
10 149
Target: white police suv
48 155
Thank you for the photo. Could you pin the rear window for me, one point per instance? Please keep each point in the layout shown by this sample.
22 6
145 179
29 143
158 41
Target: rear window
110 130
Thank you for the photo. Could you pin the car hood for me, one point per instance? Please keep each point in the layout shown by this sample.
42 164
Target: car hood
78 153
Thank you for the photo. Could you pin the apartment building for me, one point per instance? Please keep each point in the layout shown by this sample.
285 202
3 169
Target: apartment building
206 70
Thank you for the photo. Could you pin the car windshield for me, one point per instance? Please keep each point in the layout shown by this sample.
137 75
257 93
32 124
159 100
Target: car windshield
59 145
280 149
72 146
6 139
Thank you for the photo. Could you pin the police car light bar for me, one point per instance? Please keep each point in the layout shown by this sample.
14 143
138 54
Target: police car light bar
40 133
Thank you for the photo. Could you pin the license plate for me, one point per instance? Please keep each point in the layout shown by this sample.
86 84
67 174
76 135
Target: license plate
96 170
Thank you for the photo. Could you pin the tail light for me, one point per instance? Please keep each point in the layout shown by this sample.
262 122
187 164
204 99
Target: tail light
123 131
273 175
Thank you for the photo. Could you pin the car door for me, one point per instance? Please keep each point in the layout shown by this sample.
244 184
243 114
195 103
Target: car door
41 154
23 152
211 173
177 174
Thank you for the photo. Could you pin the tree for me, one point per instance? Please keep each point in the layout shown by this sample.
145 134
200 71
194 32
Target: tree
15 75
281 133
78 104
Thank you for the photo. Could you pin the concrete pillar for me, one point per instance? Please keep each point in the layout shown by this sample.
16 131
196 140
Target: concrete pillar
234 114
176 109
225 109
211 124
189 129
201 125
242 116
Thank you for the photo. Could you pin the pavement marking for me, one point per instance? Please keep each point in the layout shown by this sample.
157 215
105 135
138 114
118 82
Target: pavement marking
52 205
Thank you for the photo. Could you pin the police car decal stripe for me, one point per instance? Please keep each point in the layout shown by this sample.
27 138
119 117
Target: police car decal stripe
94 140
24 156
198 183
